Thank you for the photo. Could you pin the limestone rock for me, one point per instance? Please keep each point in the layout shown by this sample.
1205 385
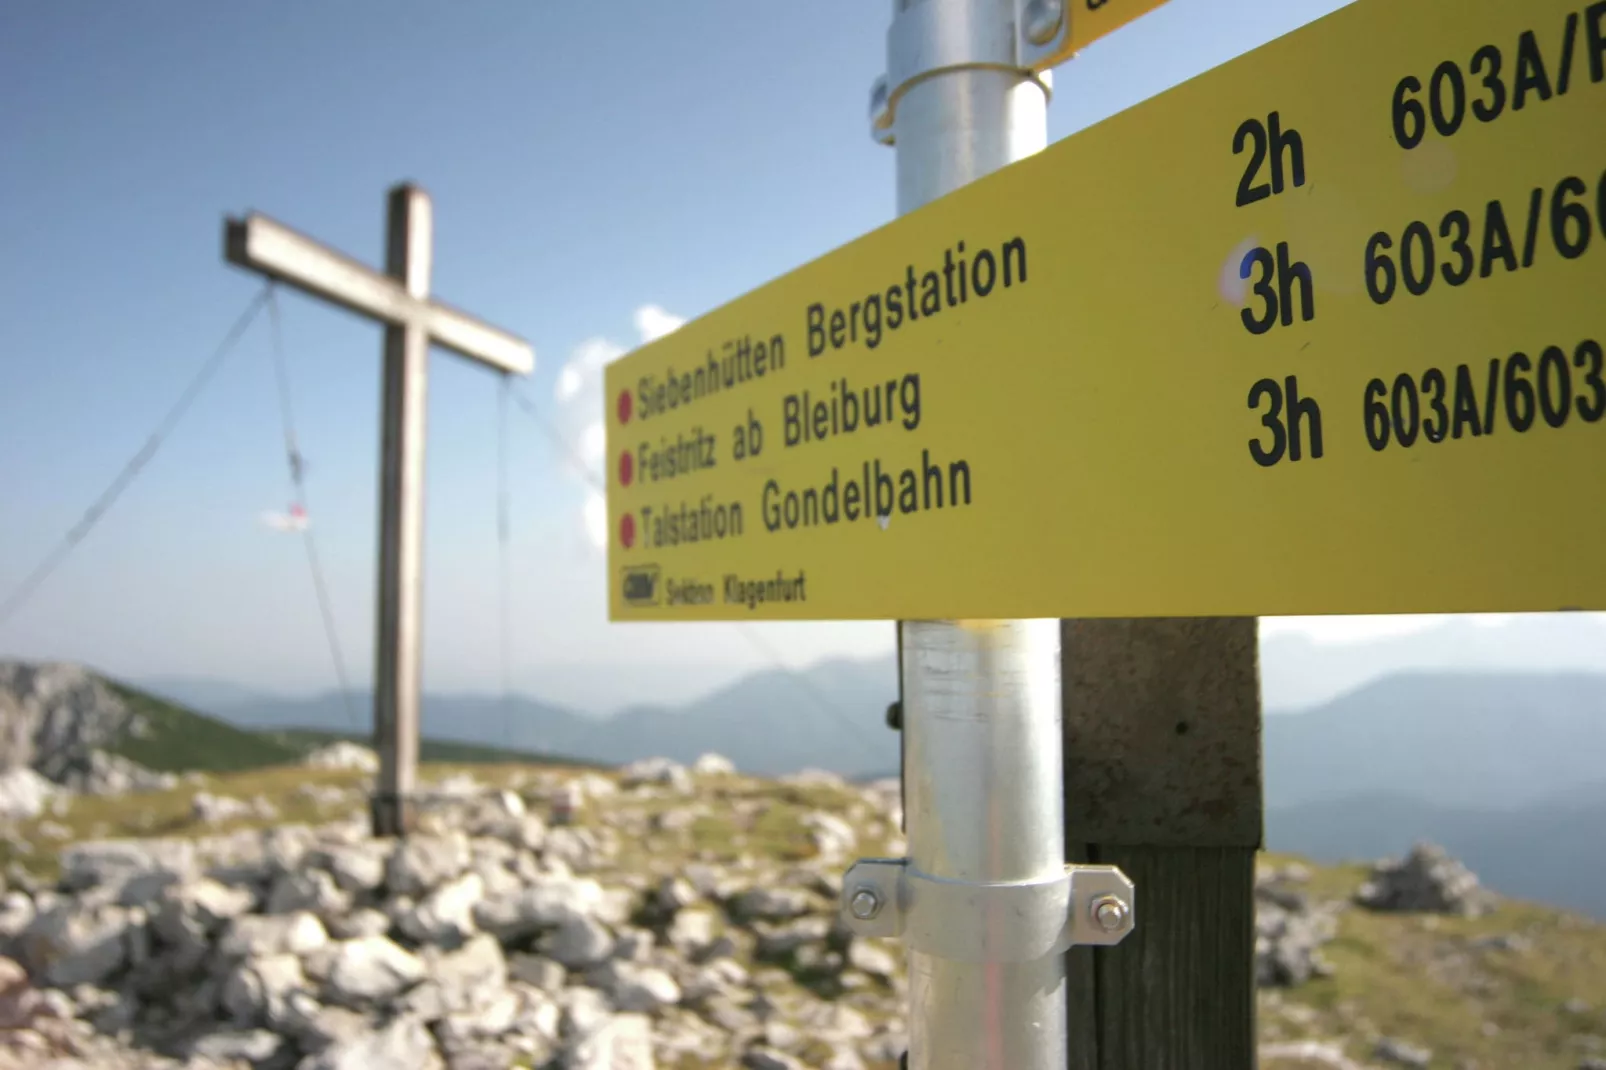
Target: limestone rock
69 945
343 755
713 765
24 794
422 863
640 989
624 1042
446 916
260 935
772 904
252 1046
656 771
1427 880
371 969
580 941
405 1042
1401 1053
356 867
209 809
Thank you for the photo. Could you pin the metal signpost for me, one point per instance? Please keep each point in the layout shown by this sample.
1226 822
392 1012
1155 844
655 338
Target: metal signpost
984 902
1318 332
398 298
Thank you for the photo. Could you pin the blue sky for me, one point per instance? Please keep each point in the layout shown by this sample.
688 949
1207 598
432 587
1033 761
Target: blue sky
585 160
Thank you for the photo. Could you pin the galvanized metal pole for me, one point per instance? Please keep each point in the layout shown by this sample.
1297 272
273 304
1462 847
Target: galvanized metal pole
984 806
981 700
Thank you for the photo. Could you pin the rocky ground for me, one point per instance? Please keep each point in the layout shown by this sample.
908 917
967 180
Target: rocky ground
682 918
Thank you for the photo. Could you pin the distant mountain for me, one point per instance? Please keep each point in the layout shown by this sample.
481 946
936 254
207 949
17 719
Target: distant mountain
1480 741
830 716
199 692
1461 740
1297 672
1553 851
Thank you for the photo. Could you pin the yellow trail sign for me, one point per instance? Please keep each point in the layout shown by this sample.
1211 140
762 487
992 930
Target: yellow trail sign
1318 332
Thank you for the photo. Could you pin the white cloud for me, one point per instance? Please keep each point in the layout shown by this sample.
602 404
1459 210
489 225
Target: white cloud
580 411
653 322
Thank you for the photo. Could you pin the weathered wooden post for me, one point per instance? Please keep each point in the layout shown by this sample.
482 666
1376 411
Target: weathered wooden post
399 298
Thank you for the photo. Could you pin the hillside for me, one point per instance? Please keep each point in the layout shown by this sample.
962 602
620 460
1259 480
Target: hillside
303 741
710 897
63 716
178 740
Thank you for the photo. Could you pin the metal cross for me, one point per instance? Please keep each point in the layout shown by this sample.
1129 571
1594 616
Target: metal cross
398 298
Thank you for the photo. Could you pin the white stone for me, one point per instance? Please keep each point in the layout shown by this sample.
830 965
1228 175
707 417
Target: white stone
24 794
580 942
311 890
713 765
474 973
343 755
257 991
876 961
640 989
260 935
446 916
371 969
403 1044
355 868
422 863
253 1046
71 946
772 904
623 1043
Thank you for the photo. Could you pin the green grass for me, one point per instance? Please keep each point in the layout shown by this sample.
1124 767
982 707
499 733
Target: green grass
1418 978
302 741
180 740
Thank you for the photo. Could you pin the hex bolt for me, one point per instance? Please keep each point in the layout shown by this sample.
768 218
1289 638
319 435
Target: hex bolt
1109 912
865 904
1043 20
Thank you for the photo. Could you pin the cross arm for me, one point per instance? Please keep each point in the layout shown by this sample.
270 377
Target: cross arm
274 250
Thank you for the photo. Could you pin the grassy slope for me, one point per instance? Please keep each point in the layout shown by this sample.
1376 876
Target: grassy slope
1423 979
305 740
181 740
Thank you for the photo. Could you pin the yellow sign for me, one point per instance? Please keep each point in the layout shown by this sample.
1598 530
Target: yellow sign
1319 332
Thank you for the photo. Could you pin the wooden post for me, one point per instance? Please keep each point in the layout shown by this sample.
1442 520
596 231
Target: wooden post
1163 779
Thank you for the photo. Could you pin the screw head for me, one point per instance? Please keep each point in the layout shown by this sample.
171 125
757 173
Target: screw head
865 904
1109 912
1043 20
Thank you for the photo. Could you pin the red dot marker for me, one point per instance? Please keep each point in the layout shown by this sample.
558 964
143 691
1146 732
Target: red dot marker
627 530
627 469
624 406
